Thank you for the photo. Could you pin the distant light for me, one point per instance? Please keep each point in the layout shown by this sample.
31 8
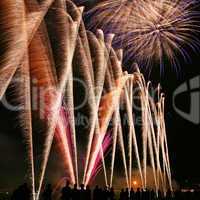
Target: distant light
134 182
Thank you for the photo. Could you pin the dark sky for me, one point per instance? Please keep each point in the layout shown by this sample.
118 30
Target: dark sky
183 136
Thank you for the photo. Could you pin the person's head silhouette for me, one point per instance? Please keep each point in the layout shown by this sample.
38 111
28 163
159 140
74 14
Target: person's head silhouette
87 187
75 186
82 186
97 187
67 183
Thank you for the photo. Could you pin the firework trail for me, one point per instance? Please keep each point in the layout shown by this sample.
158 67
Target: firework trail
121 142
110 85
42 70
131 125
144 128
17 43
152 160
104 166
165 138
64 138
26 115
12 23
70 106
93 81
26 118
150 110
154 113
115 129
98 47
156 147
151 134
22 89
13 60
109 101
149 31
129 87
99 83
66 148
99 86
85 37
82 63
58 35
97 137
36 15
159 142
56 190
147 131
57 100
99 164
65 117
158 113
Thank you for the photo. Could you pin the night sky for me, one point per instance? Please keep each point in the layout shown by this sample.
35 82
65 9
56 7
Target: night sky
183 136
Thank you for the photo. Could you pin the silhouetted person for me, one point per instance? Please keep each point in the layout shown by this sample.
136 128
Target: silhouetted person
66 192
132 194
159 194
16 194
107 193
46 195
87 193
168 195
101 194
126 194
145 194
152 195
122 195
82 192
97 193
142 194
148 194
138 194
104 194
22 192
112 194
75 193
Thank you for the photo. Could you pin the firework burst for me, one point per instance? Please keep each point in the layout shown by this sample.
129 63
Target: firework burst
149 30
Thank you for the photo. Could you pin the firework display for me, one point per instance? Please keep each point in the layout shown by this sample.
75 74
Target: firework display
45 44
149 31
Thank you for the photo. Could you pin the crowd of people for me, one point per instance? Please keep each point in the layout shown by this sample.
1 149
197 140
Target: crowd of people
85 193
